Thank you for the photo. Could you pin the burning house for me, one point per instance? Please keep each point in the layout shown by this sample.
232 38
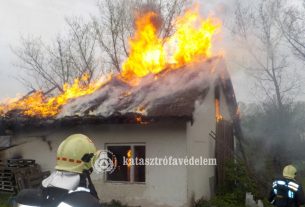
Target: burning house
157 107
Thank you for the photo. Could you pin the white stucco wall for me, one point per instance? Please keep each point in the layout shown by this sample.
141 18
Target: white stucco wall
164 186
201 179
200 144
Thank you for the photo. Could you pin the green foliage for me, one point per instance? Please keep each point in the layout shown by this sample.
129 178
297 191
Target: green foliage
237 180
4 200
232 192
237 183
228 200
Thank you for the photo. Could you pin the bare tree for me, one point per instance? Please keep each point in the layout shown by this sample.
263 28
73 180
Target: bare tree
258 29
115 24
82 49
276 123
293 26
77 53
50 66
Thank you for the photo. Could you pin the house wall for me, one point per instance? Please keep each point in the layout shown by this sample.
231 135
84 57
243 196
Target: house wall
201 179
165 185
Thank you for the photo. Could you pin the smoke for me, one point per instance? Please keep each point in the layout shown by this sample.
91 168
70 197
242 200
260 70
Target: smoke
277 135
157 19
227 45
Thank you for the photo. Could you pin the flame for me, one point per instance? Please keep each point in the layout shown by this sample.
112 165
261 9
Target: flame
146 50
238 113
218 115
37 104
149 54
139 119
129 155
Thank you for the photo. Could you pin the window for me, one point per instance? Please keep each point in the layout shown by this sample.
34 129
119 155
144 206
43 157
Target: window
128 168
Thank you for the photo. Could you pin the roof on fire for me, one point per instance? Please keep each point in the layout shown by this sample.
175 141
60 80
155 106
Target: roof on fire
171 94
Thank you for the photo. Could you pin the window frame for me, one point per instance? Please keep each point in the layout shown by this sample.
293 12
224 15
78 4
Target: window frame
132 147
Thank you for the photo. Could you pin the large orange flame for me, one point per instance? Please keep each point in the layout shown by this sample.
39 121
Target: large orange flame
149 54
146 50
190 42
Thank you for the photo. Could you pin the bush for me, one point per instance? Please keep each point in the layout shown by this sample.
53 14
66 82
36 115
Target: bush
218 201
232 193
227 200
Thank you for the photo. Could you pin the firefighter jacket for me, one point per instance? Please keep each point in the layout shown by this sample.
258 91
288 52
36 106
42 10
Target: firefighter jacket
286 193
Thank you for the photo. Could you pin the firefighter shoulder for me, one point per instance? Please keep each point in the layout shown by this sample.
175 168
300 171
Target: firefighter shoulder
286 192
70 185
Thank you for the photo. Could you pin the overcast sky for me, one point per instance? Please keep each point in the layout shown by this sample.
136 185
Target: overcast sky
46 18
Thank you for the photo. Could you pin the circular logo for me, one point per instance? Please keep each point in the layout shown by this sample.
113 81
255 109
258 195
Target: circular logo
105 162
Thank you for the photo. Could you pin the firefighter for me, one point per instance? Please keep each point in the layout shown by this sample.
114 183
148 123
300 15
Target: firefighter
70 185
286 192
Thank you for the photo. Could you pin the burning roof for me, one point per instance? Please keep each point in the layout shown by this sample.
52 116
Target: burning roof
170 93
160 78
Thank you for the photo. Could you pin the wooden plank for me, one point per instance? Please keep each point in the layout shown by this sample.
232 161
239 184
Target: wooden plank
7 186
11 191
20 162
18 174
6 183
6 170
224 149
6 175
10 178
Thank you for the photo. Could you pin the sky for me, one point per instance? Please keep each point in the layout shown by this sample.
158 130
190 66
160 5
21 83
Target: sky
37 18
45 19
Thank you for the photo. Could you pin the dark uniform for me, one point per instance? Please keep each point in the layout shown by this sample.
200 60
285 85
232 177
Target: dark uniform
56 197
286 193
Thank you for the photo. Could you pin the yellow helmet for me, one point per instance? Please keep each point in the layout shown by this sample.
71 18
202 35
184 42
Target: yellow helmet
289 172
72 152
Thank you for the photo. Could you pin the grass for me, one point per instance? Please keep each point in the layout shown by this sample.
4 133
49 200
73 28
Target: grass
4 200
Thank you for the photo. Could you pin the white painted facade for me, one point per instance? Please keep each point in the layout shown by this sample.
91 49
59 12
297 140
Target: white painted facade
165 186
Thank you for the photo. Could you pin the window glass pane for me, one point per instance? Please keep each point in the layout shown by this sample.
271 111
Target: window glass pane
139 170
122 172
